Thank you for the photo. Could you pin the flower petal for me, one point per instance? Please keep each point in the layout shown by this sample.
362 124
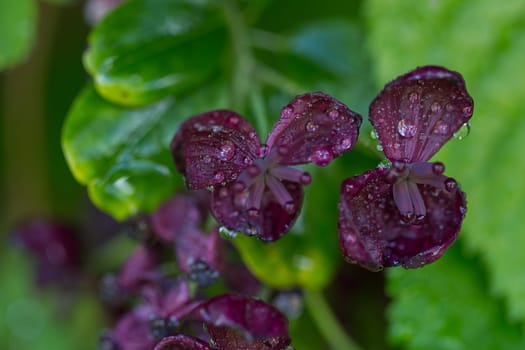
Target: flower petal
179 213
372 231
138 269
199 255
181 342
314 127
238 322
272 220
418 112
214 147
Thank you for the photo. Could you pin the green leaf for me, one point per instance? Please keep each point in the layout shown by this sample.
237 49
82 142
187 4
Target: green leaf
486 43
122 154
446 306
144 51
309 254
17 31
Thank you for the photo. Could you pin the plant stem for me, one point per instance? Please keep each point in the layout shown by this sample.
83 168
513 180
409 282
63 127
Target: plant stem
243 86
327 323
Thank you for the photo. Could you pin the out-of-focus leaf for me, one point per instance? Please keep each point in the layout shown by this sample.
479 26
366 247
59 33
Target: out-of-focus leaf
122 154
446 306
486 43
146 50
309 254
17 30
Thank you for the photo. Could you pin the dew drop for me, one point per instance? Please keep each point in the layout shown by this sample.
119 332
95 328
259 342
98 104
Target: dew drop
233 120
226 233
227 151
463 131
199 127
322 156
263 150
253 213
435 107
438 168
385 163
467 110
350 238
333 114
247 160
441 128
413 97
289 207
451 184
218 177
206 159
406 128
350 187
373 135
344 144
311 127
286 112
379 148
305 179
216 128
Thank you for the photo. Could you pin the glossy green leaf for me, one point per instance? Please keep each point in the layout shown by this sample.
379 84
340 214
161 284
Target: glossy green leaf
122 154
309 254
447 306
144 51
486 43
17 31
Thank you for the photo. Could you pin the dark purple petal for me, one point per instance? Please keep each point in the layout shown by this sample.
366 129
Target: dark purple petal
418 112
214 147
178 214
54 249
239 279
237 323
373 233
269 222
138 269
314 128
199 255
132 331
181 342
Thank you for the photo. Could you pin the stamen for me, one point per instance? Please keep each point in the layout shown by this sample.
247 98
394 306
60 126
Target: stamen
291 174
418 204
402 197
255 197
279 191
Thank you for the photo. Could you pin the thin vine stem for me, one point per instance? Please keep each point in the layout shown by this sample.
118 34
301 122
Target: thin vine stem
327 323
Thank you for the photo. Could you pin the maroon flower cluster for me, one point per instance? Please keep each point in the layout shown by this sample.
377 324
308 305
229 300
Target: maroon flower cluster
255 189
408 213
170 313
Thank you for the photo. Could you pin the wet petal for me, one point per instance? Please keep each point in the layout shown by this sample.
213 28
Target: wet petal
315 128
179 213
138 269
418 112
182 342
132 331
271 221
372 231
199 255
214 147
241 323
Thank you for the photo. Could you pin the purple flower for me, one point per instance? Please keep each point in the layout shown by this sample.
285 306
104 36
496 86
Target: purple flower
234 323
254 188
409 213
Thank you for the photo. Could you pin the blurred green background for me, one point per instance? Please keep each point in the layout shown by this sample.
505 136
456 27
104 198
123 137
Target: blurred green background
473 298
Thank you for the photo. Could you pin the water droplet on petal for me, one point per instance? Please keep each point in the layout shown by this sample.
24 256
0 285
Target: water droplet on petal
218 177
311 127
441 128
289 207
305 179
216 128
247 160
451 184
263 150
435 107
463 132
233 120
333 114
286 112
413 97
438 168
253 213
350 187
344 144
227 151
406 128
467 110
350 238
206 159
322 156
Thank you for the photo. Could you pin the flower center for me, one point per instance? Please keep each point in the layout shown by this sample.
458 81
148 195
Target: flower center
406 178
266 173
